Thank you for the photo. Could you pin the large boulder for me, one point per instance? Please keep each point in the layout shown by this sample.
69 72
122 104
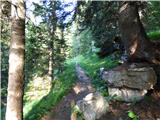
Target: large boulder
126 94
130 82
143 78
93 106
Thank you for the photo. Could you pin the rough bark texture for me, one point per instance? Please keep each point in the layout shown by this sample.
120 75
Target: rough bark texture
52 27
16 62
50 64
110 47
134 36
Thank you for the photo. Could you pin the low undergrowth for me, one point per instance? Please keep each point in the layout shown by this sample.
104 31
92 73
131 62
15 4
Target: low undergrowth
34 110
61 86
154 35
37 108
92 64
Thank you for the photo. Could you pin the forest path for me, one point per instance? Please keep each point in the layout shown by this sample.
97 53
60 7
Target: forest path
145 110
82 87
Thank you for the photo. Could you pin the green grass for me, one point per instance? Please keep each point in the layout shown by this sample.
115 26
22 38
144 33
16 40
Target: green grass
154 35
36 109
91 64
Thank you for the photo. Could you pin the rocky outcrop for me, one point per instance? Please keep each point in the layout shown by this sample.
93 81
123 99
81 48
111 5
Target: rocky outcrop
126 94
91 103
138 78
93 106
131 82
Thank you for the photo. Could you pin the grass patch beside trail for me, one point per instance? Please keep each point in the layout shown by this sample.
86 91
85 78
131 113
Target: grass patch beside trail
91 64
154 35
36 109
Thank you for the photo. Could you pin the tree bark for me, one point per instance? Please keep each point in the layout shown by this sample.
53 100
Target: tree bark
136 42
50 64
16 62
51 44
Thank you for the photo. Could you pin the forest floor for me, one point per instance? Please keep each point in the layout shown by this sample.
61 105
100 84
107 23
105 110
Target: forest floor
147 109
82 87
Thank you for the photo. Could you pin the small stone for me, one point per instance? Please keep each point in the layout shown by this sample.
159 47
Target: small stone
93 106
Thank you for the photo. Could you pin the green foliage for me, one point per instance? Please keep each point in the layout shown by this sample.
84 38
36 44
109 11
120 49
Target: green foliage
155 35
120 118
5 32
94 23
151 18
45 43
36 109
100 17
91 63
76 111
36 45
45 49
82 43
132 115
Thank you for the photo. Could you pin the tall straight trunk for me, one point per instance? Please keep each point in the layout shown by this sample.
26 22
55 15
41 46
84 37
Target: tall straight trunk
51 30
135 39
16 62
50 64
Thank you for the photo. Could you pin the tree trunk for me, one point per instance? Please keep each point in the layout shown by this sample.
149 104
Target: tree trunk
136 42
16 62
51 44
50 66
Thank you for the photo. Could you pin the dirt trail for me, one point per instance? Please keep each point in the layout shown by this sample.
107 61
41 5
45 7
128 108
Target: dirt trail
83 86
145 109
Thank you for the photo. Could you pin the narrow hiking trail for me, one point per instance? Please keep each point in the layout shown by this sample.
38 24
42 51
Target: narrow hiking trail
145 110
82 87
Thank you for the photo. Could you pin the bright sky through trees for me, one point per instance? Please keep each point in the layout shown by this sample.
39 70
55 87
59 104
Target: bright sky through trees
37 19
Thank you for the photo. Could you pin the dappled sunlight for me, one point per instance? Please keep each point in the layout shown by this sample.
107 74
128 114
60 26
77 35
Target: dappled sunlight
48 99
12 115
93 106
101 104
18 11
74 60
134 46
16 59
123 8
39 87
79 87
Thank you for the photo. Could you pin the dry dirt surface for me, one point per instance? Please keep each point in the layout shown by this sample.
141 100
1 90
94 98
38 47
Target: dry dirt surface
147 109
62 111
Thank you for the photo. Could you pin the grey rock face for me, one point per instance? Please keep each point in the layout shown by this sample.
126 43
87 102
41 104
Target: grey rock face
130 83
127 95
93 106
137 78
